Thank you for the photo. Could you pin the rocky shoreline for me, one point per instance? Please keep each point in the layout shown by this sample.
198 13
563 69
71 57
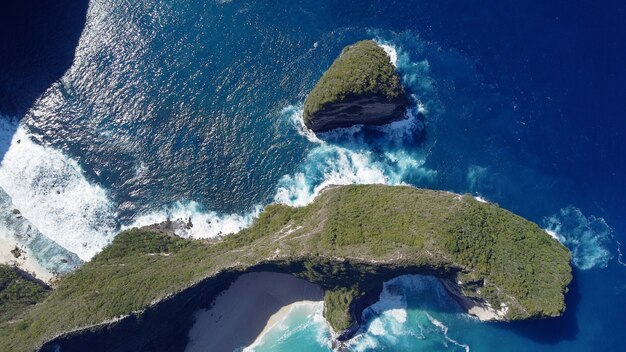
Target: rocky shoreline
140 330
361 87
322 243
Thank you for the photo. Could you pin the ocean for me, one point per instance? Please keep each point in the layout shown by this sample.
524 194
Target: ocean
191 109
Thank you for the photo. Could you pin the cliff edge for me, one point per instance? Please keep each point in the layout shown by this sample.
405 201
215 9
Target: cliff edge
360 87
141 291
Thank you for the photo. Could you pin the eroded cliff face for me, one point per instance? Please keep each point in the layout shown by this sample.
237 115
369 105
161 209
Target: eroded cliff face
164 325
360 87
141 290
357 111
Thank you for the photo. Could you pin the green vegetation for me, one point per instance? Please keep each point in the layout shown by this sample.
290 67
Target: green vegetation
337 307
362 69
17 292
349 240
512 254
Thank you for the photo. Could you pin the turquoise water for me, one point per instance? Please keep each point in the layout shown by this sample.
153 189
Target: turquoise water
303 329
192 109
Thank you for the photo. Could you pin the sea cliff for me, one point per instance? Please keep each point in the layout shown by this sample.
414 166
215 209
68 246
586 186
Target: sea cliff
360 87
141 291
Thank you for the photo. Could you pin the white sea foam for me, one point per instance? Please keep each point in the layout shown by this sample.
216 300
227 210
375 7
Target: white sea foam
328 165
204 224
619 253
343 157
444 329
376 327
553 234
302 316
363 342
476 176
50 189
481 199
339 157
389 320
391 51
587 237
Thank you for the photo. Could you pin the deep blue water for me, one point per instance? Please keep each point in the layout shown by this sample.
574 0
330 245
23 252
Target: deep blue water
191 108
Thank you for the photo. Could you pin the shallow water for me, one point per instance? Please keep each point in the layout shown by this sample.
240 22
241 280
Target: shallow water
191 109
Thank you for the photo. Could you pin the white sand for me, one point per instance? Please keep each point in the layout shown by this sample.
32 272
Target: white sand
277 318
26 261
247 309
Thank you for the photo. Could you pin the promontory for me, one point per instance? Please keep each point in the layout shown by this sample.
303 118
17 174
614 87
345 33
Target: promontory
360 87
140 292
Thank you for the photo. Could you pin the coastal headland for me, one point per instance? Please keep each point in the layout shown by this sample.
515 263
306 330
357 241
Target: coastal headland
144 289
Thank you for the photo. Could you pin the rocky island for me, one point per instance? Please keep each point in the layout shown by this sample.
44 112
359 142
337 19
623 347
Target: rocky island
141 291
360 87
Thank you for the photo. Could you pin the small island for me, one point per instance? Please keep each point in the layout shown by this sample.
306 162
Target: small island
142 290
360 87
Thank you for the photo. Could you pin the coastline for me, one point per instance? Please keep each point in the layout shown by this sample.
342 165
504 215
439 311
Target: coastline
277 319
483 311
263 299
26 261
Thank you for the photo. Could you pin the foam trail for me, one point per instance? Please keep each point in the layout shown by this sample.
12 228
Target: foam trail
444 329
587 237
619 253
50 189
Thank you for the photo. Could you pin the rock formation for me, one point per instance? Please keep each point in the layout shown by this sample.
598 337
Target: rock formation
360 87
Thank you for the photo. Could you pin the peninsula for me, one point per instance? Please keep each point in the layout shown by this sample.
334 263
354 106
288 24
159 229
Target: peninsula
141 291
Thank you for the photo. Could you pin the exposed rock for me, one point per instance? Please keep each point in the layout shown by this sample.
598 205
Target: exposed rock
17 252
360 87
349 241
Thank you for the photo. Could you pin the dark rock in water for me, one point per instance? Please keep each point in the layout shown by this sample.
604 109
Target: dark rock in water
17 213
360 87
17 252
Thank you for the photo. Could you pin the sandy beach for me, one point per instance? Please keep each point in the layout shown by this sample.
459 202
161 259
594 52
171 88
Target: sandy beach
247 309
26 261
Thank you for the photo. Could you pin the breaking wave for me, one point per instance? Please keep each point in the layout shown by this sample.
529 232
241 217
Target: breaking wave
199 223
52 192
355 155
587 237
404 317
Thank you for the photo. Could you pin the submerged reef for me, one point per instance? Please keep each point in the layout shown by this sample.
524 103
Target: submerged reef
141 291
360 87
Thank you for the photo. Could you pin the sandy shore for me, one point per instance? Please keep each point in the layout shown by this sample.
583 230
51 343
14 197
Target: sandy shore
26 261
247 309
484 312
277 318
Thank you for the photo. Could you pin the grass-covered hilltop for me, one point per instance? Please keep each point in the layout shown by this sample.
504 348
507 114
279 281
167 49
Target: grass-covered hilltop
360 87
141 291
